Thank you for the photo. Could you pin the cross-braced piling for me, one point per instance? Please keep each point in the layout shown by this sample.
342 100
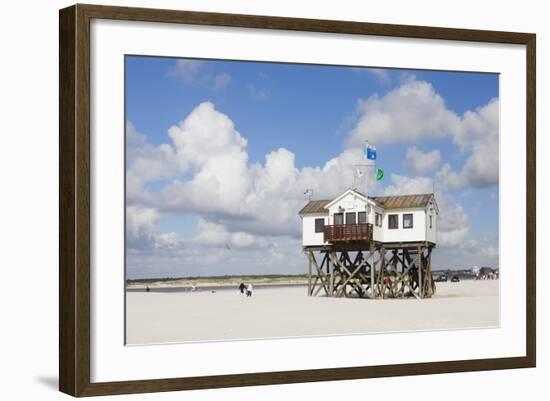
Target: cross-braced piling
371 270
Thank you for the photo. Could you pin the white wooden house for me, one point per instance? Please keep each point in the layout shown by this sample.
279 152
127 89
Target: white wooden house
354 217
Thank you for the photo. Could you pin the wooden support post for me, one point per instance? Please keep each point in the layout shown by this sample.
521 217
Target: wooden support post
343 272
420 267
381 284
321 275
330 268
309 271
429 271
356 268
372 270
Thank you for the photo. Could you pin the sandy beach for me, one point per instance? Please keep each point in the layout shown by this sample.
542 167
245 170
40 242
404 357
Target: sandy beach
177 315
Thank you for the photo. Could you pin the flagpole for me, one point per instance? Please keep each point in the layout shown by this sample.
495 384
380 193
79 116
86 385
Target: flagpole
369 164
367 181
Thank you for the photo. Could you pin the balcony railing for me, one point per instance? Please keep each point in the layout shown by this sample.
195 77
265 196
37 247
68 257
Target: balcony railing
348 232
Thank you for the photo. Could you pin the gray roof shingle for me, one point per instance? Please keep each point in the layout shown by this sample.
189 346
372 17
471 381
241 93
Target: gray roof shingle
315 206
387 202
403 201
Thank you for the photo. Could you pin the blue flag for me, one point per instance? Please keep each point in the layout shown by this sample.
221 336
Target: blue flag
370 152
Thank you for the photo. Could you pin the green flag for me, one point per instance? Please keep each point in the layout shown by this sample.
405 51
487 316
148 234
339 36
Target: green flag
379 174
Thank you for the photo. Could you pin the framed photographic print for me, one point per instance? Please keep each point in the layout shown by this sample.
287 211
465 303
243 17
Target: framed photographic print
250 200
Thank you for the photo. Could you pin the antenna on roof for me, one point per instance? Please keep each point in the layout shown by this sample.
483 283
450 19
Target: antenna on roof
309 193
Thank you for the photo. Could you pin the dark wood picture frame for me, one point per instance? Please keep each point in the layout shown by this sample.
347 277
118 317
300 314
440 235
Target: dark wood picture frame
74 200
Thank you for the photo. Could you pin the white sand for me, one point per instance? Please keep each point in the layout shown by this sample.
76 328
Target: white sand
158 317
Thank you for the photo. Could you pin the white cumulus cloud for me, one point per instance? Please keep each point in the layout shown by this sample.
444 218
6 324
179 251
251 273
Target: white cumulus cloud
207 144
415 111
418 162
479 136
382 75
406 114
142 233
146 163
133 137
209 233
196 71
219 182
186 70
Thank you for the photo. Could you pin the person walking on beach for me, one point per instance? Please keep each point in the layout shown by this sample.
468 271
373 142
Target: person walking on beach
242 288
249 290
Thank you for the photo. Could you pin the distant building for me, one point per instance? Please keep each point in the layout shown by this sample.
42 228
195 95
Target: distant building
486 271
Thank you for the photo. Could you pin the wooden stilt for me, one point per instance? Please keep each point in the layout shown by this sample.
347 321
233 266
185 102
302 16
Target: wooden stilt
309 272
372 270
357 272
429 272
381 275
420 267
330 267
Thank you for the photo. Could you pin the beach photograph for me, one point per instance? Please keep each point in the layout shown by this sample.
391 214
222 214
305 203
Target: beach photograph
273 200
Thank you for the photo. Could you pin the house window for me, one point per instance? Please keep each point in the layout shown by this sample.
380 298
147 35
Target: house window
378 219
319 225
431 218
351 218
393 221
407 220
338 218
362 217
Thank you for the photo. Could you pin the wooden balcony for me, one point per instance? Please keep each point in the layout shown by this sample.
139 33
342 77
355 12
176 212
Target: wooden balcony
348 232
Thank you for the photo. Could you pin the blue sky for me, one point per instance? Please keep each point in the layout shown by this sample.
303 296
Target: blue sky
315 114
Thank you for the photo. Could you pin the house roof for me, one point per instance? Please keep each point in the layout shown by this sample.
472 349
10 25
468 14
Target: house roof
316 206
387 202
403 201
